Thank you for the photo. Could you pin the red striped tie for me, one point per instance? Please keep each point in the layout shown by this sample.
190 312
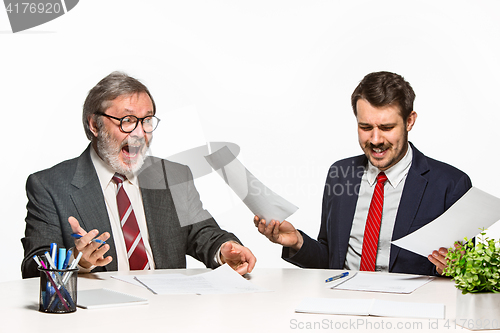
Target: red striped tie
136 252
372 227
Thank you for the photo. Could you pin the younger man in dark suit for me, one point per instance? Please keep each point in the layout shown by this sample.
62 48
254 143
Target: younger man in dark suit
147 209
383 195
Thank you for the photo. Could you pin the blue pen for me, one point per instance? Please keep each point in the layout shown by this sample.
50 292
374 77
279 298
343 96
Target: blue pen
77 236
66 261
62 258
336 277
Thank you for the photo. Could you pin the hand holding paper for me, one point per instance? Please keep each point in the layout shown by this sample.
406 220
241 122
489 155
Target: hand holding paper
283 233
474 211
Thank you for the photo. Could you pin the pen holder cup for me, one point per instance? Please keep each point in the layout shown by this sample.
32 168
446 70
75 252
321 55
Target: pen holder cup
58 290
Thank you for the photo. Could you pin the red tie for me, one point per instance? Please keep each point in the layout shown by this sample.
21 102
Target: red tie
136 252
372 227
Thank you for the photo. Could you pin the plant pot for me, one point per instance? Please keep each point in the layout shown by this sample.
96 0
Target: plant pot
478 311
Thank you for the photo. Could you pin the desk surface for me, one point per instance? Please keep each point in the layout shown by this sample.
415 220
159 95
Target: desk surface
259 312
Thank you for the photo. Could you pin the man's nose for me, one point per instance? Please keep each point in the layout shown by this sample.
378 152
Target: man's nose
377 137
139 130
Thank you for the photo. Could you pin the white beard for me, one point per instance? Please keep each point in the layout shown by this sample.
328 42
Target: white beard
109 150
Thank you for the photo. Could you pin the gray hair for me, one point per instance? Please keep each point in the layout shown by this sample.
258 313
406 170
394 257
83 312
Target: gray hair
100 97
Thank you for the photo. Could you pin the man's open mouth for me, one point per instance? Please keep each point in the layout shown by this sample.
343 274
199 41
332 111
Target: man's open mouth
131 151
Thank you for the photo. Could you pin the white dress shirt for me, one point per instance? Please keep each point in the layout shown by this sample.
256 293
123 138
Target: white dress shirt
109 188
393 189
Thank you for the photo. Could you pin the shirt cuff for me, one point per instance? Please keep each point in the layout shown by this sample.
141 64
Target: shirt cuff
217 257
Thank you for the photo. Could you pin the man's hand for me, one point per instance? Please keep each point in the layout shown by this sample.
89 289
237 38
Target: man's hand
283 233
240 258
93 252
438 259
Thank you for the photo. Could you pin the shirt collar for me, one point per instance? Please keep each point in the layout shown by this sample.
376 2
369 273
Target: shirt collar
395 174
104 171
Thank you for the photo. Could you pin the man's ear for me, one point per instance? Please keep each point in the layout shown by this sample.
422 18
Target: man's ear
93 125
410 121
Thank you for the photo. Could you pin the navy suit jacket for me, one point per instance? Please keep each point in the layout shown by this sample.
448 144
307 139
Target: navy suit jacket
431 187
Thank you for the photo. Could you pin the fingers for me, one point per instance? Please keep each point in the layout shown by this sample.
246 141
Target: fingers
264 229
226 249
271 231
438 258
240 258
251 263
103 261
260 224
75 226
93 253
242 269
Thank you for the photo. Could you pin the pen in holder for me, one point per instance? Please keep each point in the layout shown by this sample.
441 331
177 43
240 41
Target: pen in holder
58 290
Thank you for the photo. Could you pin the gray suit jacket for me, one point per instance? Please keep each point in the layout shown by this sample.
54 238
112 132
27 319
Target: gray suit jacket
171 205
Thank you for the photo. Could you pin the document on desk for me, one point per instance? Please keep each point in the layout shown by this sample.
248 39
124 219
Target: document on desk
223 280
128 279
256 196
383 283
371 307
472 212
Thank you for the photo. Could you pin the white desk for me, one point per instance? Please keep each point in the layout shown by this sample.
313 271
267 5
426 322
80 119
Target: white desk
259 312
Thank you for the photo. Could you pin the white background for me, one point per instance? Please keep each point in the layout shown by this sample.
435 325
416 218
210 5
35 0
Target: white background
275 77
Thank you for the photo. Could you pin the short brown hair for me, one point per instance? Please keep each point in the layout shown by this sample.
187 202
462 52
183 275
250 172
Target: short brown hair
385 88
100 97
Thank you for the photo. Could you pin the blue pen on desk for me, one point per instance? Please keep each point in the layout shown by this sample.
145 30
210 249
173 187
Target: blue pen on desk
336 277
77 236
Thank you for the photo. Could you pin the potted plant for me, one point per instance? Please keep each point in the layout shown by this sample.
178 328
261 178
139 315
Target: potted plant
475 268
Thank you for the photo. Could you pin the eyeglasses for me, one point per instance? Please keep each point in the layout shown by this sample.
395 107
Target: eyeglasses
129 123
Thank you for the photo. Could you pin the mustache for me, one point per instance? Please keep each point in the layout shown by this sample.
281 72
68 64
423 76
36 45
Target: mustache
134 142
380 146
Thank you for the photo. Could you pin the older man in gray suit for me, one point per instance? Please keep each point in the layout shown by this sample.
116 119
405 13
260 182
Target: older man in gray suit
147 209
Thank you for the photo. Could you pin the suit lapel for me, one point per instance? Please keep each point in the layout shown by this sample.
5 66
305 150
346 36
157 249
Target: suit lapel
89 201
411 198
347 206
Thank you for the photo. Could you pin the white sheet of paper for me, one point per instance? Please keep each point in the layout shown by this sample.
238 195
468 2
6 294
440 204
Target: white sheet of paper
223 280
473 211
256 196
384 283
128 279
371 307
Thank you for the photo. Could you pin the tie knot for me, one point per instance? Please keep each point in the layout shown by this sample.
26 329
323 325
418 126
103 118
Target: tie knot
118 178
381 178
